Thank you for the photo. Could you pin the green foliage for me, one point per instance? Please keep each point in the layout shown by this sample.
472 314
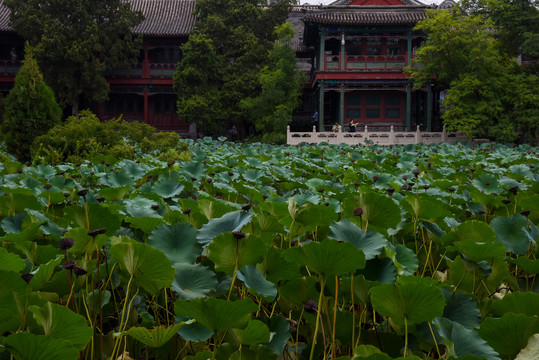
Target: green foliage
281 82
83 38
86 137
226 60
228 254
31 109
517 23
488 94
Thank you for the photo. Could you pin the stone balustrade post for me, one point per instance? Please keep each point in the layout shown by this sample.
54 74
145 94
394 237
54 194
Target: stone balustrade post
391 135
366 135
417 135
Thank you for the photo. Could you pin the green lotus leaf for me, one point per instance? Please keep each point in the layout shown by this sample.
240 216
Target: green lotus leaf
254 280
424 208
280 329
136 171
530 202
11 285
212 208
149 267
311 216
27 346
405 260
146 223
155 337
256 332
10 262
487 183
114 193
461 341
299 290
99 217
217 314
140 207
461 308
82 242
193 281
475 251
44 273
167 188
276 268
531 350
526 303
370 242
193 331
328 257
379 212
60 322
227 252
13 224
381 270
194 169
510 232
471 230
117 179
178 242
528 265
252 174
17 203
415 302
97 300
510 333
232 221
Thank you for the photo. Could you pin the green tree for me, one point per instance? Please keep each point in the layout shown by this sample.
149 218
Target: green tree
516 21
488 93
31 109
76 41
281 84
223 59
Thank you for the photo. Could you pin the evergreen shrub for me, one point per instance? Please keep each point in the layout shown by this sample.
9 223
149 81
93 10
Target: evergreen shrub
87 137
30 109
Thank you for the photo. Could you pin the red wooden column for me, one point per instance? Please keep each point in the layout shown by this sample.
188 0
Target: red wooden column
146 105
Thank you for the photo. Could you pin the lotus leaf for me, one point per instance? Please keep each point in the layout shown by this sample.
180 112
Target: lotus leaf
254 280
149 267
60 322
217 314
328 257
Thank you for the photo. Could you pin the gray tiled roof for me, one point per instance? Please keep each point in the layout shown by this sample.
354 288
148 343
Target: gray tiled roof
405 2
367 16
4 17
163 17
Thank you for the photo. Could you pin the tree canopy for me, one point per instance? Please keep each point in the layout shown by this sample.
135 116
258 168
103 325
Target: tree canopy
487 93
31 109
76 41
223 60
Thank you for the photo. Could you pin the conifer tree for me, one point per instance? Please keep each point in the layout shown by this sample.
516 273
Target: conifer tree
30 109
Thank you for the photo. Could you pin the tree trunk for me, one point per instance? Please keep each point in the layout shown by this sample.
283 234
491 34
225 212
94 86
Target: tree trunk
75 108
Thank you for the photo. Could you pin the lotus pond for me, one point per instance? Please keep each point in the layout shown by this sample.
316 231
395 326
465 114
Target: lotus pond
272 252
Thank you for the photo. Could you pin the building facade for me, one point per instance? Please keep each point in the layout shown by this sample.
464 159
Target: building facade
353 53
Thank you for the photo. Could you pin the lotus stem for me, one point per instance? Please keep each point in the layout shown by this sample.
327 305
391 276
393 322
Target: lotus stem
405 336
117 342
435 342
334 317
317 318
353 309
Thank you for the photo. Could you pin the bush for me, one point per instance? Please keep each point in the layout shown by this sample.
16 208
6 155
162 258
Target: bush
30 109
87 137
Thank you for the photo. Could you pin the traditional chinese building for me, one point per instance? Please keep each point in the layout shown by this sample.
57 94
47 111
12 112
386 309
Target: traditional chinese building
353 52
361 50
